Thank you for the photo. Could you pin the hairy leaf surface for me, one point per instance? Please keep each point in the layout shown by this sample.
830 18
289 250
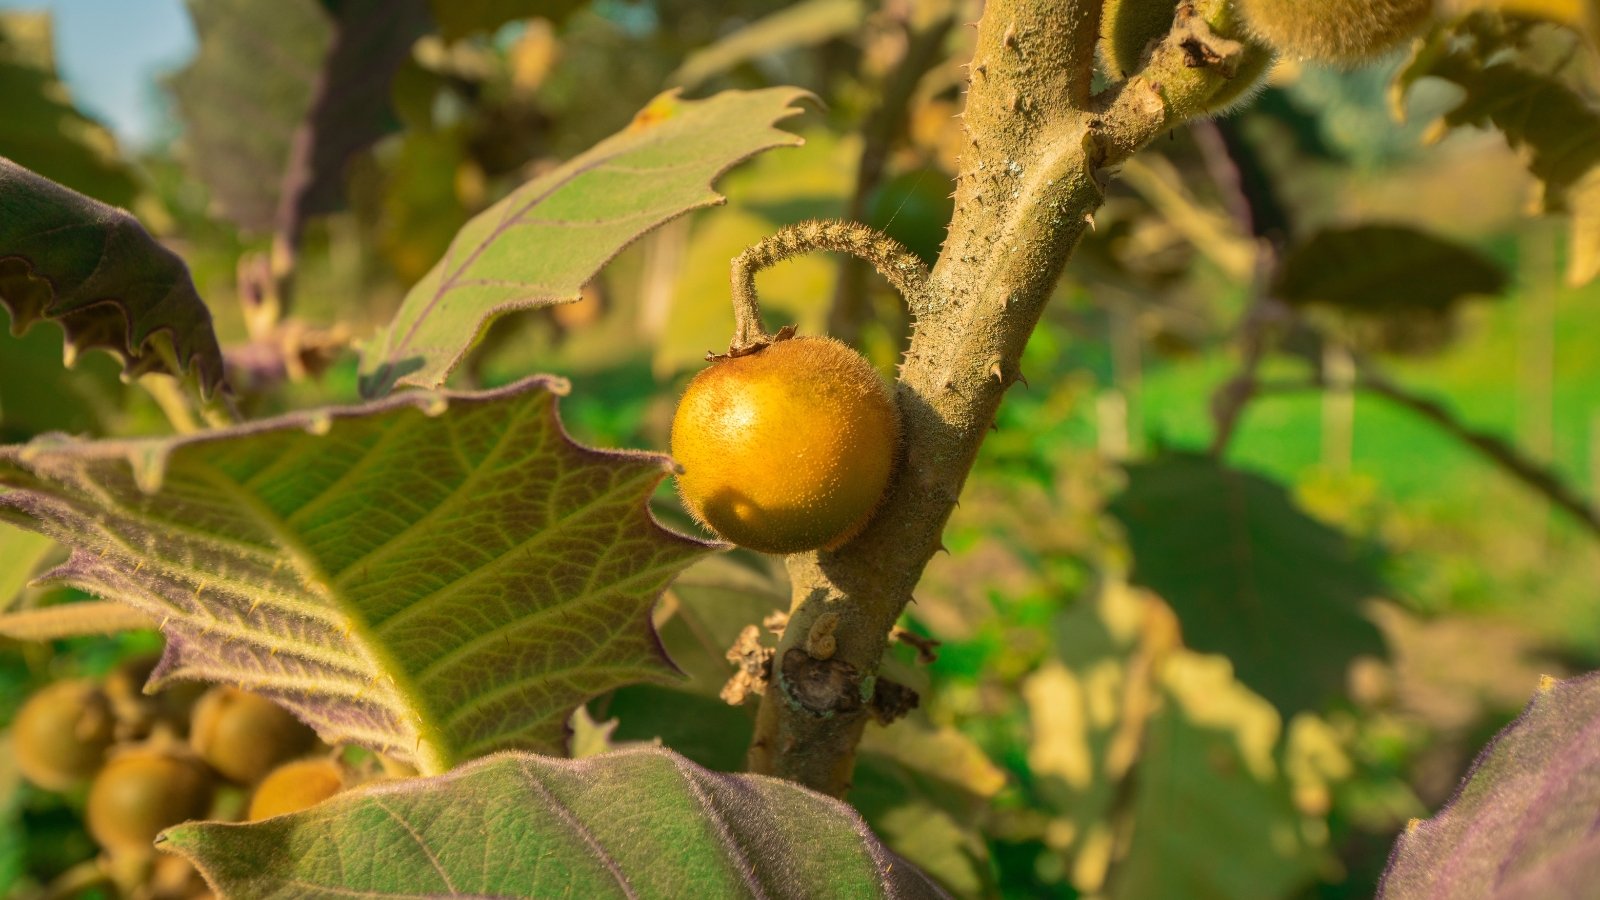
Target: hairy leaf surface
1375 269
635 823
1522 823
95 271
1250 577
540 244
436 576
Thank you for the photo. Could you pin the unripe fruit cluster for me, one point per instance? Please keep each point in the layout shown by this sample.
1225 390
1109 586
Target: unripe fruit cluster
786 449
142 763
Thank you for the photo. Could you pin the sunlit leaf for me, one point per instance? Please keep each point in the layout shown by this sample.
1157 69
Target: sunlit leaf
540 244
1213 815
1522 823
1250 576
1375 269
93 270
1583 261
43 131
437 576
640 823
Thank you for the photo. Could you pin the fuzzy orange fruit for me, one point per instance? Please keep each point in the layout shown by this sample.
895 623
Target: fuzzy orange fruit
787 449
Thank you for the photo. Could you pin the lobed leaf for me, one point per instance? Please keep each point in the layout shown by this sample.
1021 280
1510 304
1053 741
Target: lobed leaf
1250 577
95 271
1523 822
641 823
436 576
1375 269
539 245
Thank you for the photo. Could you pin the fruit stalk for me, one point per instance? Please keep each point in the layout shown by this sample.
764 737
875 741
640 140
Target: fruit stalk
898 265
1041 145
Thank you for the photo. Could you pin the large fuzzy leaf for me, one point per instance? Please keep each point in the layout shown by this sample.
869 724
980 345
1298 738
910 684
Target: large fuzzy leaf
437 576
639 823
541 244
1250 577
1375 269
1523 822
95 271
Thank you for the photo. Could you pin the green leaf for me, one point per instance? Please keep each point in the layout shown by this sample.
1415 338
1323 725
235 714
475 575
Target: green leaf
23 552
38 394
349 108
1250 576
436 576
243 96
1374 269
1213 813
640 823
1522 823
1550 122
803 24
43 131
540 244
97 273
1165 776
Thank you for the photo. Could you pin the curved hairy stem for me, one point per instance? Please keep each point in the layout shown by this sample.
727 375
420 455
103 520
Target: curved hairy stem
1040 147
899 266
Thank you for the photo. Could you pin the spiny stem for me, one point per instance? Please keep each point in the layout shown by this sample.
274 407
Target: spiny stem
899 266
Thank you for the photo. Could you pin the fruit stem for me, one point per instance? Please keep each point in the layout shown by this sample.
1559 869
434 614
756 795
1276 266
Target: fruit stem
1040 146
899 266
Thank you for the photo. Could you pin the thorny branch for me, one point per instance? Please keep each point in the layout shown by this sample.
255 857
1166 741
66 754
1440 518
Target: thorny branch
1041 146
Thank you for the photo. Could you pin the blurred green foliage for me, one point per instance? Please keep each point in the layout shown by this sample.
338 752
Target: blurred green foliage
1142 705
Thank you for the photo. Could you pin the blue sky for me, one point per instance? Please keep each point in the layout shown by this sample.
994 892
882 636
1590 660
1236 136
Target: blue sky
111 52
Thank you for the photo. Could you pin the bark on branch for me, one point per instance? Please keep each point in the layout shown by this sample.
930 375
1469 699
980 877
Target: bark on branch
1040 147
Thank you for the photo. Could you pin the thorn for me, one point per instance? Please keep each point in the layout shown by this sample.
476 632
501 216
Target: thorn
982 69
994 369
1009 39
994 426
1024 379
941 548
1088 219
